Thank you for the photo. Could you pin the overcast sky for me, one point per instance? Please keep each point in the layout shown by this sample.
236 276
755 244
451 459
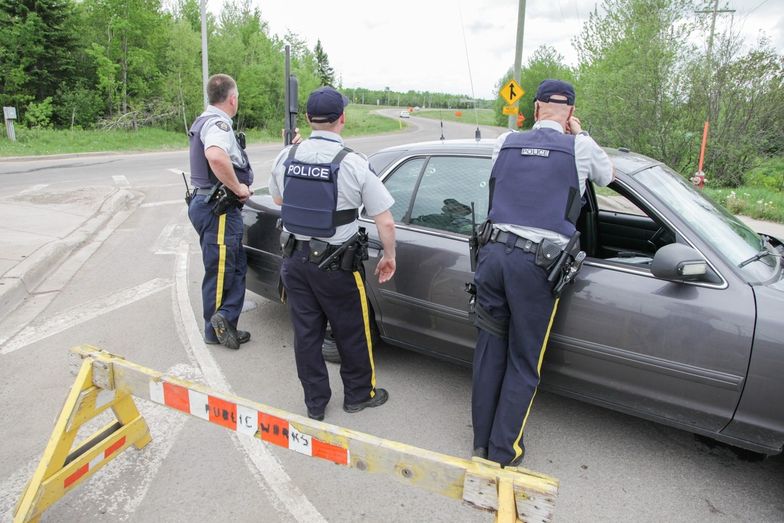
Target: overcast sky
419 45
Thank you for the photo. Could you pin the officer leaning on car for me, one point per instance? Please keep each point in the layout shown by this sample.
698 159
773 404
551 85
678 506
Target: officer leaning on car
536 186
320 184
221 175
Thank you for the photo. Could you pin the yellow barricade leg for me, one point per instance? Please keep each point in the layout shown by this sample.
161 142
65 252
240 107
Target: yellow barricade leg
61 468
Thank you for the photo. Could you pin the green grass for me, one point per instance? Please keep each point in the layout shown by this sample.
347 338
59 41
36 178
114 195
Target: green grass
486 116
756 202
36 142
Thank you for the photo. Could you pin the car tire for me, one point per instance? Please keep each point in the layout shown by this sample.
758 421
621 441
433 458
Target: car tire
329 349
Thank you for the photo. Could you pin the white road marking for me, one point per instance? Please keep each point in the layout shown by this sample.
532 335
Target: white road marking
82 313
34 188
121 181
176 171
268 469
165 202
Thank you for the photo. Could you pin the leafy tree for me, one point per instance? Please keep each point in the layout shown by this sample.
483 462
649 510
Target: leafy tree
39 115
325 72
631 77
37 48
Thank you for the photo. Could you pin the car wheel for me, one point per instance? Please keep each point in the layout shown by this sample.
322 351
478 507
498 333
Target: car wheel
329 349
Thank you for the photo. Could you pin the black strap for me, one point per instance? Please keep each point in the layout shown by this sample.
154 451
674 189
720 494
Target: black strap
292 152
483 320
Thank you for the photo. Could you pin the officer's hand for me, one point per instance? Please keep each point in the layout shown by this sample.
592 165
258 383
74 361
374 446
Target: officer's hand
385 269
573 125
297 138
244 193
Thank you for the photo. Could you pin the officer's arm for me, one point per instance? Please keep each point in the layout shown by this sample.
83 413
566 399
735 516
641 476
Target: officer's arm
221 166
385 224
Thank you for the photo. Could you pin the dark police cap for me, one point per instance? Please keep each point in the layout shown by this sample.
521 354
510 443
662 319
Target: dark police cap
551 87
325 105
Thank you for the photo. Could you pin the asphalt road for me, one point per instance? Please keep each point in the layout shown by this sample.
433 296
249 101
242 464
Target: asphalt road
137 294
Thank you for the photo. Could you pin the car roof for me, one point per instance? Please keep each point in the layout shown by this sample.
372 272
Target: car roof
624 160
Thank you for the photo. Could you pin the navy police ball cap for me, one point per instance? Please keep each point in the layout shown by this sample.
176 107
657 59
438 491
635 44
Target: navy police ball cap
325 105
551 87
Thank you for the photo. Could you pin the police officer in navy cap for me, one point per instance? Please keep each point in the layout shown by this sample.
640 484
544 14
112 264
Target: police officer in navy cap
216 157
320 184
536 187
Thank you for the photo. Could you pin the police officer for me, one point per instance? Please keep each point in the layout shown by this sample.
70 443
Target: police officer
320 184
536 186
216 157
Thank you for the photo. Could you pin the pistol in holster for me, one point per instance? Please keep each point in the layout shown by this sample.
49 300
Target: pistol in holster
223 200
569 263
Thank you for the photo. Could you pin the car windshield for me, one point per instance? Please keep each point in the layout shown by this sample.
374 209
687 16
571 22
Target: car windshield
730 237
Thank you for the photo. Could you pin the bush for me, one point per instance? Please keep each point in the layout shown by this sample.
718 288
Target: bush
769 174
39 115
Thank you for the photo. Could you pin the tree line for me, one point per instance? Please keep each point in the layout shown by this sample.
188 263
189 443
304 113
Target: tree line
130 63
648 78
644 80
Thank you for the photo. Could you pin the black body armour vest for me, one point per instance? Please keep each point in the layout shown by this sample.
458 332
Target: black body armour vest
534 182
310 197
202 176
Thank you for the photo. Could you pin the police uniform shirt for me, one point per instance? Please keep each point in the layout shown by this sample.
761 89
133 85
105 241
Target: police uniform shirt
357 184
217 132
592 164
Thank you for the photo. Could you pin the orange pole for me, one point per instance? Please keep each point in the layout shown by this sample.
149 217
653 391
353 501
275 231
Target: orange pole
704 142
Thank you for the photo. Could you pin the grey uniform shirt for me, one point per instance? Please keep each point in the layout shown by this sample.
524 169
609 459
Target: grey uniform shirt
357 184
217 132
592 164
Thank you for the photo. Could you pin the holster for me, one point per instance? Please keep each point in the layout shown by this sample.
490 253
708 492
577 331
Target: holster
287 242
485 230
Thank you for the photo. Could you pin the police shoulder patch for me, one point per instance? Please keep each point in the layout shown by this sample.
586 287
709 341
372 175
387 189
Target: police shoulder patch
223 126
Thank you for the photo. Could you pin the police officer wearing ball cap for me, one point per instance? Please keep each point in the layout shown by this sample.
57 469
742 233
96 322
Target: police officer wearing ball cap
320 184
536 186
217 157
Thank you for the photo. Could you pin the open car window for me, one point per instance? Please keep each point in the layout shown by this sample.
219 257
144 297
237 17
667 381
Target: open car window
626 231
447 188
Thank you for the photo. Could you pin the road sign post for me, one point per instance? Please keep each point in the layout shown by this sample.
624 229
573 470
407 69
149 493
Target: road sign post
9 114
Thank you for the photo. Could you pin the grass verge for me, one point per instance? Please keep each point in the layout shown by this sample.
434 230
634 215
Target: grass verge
486 116
755 202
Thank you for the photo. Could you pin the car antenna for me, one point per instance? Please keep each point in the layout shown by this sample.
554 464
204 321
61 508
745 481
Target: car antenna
441 117
477 133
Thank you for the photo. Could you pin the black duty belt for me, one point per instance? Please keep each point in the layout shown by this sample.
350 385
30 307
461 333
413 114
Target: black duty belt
521 243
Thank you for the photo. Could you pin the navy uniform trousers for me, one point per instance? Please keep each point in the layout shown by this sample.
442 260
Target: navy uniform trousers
510 287
315 296
225 264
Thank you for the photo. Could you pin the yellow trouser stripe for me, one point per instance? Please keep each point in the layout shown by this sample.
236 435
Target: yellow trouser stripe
368 337
221 260
516 444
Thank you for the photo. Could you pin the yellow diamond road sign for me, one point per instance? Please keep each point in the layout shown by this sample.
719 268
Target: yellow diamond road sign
511 92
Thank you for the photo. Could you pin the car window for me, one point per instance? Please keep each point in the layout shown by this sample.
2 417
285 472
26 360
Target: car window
448 186
401 184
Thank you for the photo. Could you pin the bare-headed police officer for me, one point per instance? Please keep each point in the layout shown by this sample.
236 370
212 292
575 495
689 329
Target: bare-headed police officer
216 157
536 186
320 184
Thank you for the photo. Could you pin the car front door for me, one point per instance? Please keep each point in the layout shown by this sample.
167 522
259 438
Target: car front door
659 349
425 306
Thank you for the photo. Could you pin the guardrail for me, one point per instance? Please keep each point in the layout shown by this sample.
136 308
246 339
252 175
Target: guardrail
107 381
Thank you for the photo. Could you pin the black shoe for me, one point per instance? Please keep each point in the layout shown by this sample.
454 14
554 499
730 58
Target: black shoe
379 399
480 452
243 336
317 417
226 334
517 461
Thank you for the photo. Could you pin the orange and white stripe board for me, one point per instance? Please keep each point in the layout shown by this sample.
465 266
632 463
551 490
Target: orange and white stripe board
94 463
244 420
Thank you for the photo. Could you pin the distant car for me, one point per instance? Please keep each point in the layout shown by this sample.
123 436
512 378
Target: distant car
405 114
676 315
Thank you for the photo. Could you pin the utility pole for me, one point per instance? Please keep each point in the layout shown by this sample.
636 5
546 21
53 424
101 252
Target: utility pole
204 62
699 177
518 53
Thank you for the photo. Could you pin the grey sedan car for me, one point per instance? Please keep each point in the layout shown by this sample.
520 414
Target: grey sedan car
676 316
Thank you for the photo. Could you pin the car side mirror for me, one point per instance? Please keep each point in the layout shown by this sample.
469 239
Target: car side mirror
678 262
